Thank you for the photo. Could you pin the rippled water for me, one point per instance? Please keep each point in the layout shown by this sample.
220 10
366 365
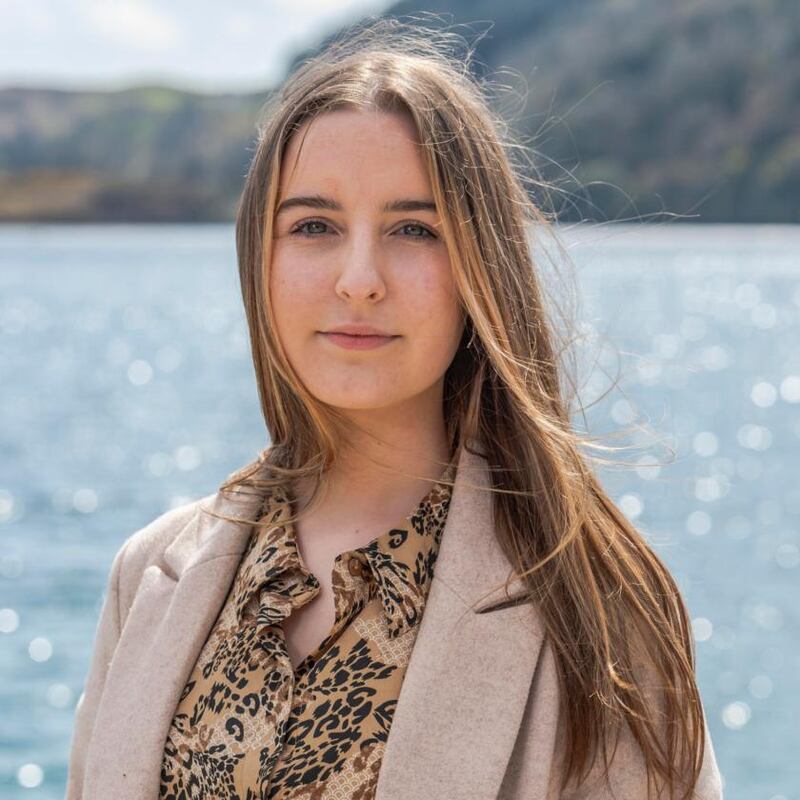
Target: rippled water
127 388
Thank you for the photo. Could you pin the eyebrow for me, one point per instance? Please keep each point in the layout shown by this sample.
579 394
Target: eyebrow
328 204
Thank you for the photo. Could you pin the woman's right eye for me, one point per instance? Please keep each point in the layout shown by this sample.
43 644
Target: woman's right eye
299 229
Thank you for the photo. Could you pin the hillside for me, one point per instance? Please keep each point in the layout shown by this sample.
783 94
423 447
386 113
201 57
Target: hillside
633 107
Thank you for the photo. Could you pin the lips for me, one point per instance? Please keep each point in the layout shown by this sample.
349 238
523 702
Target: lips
357 341
358 329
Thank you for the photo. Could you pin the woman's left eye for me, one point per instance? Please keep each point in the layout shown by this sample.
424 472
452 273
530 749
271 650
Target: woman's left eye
426 231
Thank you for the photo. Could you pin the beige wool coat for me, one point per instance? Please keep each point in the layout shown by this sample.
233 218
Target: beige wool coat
477 716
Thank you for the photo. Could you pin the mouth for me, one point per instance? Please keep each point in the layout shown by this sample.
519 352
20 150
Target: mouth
350 341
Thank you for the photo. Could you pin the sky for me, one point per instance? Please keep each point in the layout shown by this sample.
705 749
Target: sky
238 46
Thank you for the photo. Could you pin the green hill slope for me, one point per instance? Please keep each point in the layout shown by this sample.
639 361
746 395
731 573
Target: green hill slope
633 107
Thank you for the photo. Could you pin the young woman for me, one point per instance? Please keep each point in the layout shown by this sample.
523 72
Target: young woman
420 589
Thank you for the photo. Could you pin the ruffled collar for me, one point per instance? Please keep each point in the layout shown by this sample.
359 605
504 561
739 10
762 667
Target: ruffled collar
273 580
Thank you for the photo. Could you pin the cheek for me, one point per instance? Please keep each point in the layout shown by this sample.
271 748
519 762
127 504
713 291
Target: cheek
433 305
288 283
286 273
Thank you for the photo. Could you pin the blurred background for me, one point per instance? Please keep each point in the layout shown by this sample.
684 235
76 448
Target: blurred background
672 133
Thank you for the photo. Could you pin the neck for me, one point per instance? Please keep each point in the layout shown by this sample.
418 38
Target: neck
386 465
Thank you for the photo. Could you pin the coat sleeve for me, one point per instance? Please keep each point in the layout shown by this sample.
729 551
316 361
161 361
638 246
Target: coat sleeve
627 775
105 643
627 779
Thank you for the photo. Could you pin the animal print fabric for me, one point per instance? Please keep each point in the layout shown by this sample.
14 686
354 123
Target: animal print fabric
247 724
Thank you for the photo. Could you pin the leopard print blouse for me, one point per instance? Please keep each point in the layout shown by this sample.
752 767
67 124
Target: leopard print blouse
247 724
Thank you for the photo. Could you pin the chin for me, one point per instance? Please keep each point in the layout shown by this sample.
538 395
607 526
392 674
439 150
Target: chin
355 401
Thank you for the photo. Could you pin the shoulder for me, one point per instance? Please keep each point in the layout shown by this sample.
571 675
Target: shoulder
145 547
148 543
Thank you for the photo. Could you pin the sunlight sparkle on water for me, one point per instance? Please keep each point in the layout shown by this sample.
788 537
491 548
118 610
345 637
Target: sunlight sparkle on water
9 620
40 649
30 776
736 715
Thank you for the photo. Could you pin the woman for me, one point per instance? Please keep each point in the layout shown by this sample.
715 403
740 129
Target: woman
255 643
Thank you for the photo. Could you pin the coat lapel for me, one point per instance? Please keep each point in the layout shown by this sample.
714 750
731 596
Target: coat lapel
175 607
467 683
461 700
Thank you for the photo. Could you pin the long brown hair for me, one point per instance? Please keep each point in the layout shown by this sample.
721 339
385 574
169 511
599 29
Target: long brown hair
608 602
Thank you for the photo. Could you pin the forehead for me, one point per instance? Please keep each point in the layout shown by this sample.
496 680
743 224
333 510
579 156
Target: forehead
348 142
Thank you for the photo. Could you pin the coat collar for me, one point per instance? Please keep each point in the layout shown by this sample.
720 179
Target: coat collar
476 571
463 694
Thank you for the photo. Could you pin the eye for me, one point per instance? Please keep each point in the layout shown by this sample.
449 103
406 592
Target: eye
427 233
299 229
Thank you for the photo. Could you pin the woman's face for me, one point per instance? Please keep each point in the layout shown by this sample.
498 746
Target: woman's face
341 257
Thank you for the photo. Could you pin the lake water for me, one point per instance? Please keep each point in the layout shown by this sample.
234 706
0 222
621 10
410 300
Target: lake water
127 388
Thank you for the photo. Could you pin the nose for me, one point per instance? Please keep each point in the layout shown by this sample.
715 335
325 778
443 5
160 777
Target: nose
360 273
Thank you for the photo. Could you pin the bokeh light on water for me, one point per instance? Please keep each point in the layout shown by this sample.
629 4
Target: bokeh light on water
128 389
